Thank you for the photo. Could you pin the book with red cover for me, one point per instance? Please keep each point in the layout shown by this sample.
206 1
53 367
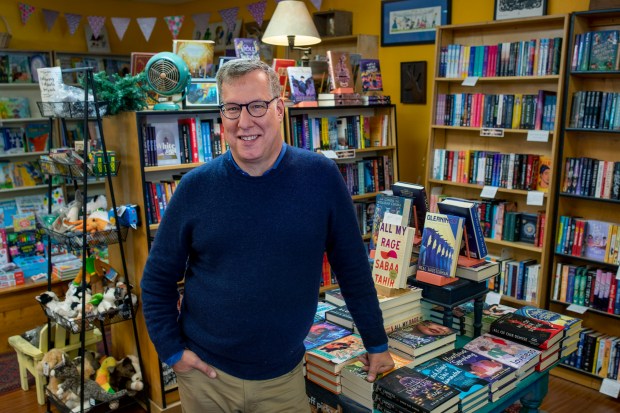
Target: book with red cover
529 331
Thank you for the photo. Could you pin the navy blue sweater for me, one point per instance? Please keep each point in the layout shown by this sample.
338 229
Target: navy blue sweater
251 250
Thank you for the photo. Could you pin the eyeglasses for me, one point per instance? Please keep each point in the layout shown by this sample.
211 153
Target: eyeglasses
256 108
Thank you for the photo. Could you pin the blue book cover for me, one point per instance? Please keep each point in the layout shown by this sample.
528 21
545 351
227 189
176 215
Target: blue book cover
205 127
473 229
492 371
536 313
441 242
324 332
446 373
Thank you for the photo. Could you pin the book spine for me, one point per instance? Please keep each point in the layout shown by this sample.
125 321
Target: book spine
389 396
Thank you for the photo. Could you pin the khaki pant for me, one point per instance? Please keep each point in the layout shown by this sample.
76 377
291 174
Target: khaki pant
228 394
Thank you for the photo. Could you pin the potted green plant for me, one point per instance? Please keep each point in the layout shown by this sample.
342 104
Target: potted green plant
122 94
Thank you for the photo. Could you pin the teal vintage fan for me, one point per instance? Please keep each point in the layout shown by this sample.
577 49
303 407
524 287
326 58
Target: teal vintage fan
168 75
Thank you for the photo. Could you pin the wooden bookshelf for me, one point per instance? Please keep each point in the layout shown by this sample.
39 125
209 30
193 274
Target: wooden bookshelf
462 134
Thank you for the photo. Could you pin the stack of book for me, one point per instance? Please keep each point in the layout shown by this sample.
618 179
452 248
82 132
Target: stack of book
324 332
321 308
464 316
421 341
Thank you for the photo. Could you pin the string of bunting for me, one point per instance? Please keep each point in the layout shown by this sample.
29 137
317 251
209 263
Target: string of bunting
174 24
50 17
25 11
257 10
146 26
96 24
120 25
229 16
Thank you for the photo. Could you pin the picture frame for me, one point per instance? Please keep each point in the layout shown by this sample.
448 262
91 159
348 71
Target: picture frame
221 34
202 93
413 82
516 9
405 22
99 44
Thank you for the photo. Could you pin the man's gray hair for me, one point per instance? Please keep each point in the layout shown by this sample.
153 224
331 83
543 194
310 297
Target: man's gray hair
236 68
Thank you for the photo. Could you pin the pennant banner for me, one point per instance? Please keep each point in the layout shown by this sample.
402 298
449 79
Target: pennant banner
146 25
317 3
50 18
174 24
96 24
257 10
25 10
201 20
120 25
73 21
229 16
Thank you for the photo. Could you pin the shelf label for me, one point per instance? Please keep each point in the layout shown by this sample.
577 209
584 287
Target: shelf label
579 309
393 219
493 298
535 198
492 132
330 154
488 192
610 388
470 81
346 154
538 136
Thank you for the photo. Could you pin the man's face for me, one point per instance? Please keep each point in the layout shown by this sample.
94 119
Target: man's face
255 142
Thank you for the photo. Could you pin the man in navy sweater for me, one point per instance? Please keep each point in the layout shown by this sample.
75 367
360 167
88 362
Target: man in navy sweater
247 232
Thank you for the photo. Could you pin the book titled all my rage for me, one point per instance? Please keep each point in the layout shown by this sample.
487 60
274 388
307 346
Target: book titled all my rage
416 392
395 208
528 331
393 255
336 354
441 241
515 355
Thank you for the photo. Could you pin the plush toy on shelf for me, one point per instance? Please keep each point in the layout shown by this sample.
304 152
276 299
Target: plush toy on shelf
108 364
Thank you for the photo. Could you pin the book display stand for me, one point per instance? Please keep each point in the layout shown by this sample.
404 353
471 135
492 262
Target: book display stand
434 279
342 90
467 260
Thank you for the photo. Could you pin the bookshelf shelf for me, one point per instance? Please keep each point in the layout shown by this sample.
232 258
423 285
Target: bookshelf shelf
23 189
12 156
453 100
590 310
516 302
22 120
589 198
166 168
585 259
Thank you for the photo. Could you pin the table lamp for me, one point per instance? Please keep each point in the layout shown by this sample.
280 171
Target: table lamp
291 25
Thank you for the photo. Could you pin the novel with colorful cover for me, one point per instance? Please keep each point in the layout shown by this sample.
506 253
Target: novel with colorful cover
468 210
370 74
197 54
567 322
393 255
528 331
247 48
441 241
333 356
515 355
322 333
494 372
340 70
302 84
468 384
421 337
398 208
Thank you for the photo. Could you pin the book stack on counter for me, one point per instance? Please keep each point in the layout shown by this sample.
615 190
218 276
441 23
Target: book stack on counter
421 341
463 320
321 308
340 99
376 99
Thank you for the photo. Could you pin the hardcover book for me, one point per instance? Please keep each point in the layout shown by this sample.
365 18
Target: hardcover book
416 392
596 239
469 211
393 255
167 143
515 355
469 385
321 308
341 316
569 323
246 48
356 377
370 74
528 331
198 54
322 333
419 202
340 71
334 355
478 272
604 50
421 337
398 208
441 241
280 66
494 372
302 84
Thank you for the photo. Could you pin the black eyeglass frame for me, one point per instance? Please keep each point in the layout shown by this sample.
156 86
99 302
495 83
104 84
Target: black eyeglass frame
247 107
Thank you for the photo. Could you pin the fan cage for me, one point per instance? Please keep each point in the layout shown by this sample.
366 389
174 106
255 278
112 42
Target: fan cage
164 76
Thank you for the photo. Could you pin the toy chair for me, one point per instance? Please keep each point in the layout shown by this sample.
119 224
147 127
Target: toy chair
28 355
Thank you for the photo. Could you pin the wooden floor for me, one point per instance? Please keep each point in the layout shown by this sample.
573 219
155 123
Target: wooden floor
563 397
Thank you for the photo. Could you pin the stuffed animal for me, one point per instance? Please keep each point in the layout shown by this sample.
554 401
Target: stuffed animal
127 375
50 360
97 203
103 373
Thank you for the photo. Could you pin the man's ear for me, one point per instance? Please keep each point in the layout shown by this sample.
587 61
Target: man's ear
280 109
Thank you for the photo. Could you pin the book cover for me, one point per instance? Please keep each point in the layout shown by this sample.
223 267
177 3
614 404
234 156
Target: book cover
20 68
528 331
515 355
341 316
320 75
12 140
468 384
494 372
322 333
398 209
37 135
340 71
393 255
321 308
528 228
334 297
167 143
595 240
246 48
469 211
413 390
198 54
544 174
441 241
370 75
302 84
563 320
420 202
139 61
421 337
16 107
604 50
279 66
334 355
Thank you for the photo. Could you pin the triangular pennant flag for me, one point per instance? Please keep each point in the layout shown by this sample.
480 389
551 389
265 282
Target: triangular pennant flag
120 25
201 20
25 10
50 18
73 21
257 10
317 3
174 24
96 24
229 16
146 25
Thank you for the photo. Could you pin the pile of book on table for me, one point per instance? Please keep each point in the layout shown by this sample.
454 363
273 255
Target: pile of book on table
463 321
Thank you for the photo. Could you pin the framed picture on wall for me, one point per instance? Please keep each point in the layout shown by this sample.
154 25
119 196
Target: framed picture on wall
202 93
412 21
413 82
516 9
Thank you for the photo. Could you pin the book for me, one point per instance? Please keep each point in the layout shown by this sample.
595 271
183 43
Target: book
468 210
370 75
441 241
340 71
197 54
19 68
320 75
416 392
421 337
14 107
302 84
494 372
528 331
167 143
334 297
323 379
341 316
478 272
515 355
604 50
419 204
410 294
246 48
355 377
393 255
544 174
334 355
279 66
37 135
396 208
595 239
322 333
321 308
569 323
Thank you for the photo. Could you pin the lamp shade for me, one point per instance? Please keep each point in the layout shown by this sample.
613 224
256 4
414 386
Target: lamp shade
291 18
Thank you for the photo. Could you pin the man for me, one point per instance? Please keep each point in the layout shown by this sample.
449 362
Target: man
248 231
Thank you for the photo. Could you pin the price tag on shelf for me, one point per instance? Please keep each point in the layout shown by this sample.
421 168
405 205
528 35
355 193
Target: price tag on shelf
538 136
579 309
535 198
393 219
610 388
470 81
493 298
492 132
330 154
488 192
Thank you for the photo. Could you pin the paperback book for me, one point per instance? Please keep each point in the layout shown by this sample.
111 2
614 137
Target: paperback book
246 48
370 74
496 373
336 354
302 84
280 66
567 322
515 355
393 256
473 231
340 70
469 385
441 241
528 331
321 308
396 208
167 143
421 337
324 332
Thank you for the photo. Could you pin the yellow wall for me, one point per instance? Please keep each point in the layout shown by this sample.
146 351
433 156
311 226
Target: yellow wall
413 120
